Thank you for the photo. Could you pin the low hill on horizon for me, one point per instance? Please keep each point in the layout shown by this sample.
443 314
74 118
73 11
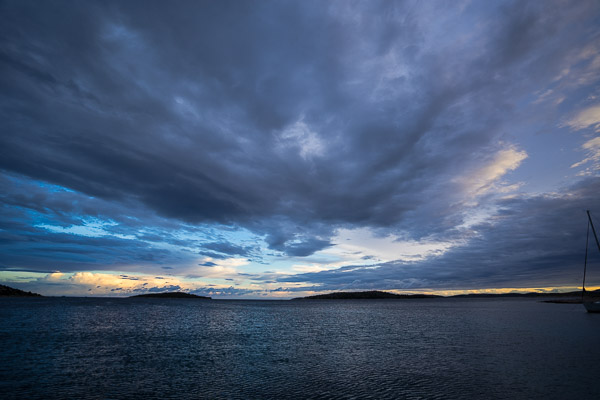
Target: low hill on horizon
7 291
372 294
377 294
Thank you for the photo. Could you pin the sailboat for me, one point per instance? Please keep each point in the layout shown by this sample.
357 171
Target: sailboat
590 306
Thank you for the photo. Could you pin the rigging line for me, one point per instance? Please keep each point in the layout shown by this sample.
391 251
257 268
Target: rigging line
593 229
587 240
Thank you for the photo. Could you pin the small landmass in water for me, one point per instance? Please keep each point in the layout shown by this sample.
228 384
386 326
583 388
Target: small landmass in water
373 294
550 297
7 291
173 295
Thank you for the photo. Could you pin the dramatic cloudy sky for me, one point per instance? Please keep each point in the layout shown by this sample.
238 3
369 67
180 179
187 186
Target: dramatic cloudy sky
280 148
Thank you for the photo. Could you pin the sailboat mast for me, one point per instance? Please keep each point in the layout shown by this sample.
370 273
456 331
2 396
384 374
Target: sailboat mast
593 229
587 242
592 306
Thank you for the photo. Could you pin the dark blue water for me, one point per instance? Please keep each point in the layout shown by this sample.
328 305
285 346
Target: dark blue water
182 348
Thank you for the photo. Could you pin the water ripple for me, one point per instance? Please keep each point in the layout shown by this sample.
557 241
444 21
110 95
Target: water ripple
170 348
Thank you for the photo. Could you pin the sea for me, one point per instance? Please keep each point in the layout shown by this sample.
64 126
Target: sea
146 348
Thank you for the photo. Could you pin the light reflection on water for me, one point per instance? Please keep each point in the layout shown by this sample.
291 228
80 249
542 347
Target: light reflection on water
182 348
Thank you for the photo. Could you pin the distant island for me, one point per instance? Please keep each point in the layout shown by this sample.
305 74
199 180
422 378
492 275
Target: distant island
564 297
567 297
7 291
373 294
172 295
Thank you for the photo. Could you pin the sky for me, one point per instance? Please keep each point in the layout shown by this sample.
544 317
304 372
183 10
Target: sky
276 149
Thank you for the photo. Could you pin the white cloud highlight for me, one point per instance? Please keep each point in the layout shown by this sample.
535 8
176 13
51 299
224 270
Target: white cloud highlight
586 118
219 269
300 136
365 247
485 179
592 149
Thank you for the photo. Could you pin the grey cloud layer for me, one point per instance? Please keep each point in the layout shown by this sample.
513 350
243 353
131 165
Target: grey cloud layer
126 238
532 242
287 118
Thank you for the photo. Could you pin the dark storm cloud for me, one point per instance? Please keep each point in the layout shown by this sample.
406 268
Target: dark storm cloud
67 252
536 241
17 269
35 232
208 264
290 119
29 212
305 248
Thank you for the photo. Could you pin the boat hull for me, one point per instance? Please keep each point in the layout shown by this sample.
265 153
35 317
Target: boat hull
592 306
